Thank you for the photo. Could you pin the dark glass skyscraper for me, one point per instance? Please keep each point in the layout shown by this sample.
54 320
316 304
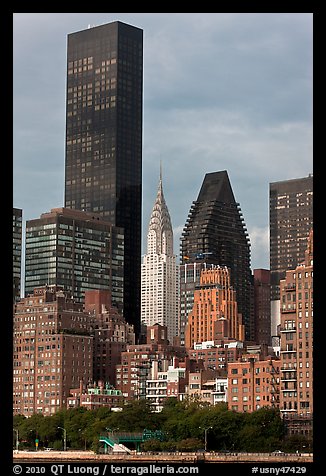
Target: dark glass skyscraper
103 169
215 233
290 221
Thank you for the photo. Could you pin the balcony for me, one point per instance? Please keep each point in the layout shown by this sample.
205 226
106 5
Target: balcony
283 329
290 308
289 287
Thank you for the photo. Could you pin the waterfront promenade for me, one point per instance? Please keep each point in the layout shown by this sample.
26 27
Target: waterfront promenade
149 457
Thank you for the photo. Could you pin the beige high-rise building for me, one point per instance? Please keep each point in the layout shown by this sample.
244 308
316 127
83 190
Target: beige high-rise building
296 293
159 272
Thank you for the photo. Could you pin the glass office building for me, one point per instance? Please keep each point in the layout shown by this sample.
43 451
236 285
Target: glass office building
76 250
103 166
215 233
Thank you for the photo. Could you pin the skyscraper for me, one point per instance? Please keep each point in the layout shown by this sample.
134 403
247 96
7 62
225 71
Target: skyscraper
76 250
159 274
290 221
103 168
189 280
215 232
215 311
17 251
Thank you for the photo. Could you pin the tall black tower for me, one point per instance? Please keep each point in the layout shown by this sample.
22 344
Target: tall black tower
103 167
216 234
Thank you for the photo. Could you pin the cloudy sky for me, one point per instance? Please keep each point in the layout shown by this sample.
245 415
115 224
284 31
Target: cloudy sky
222 91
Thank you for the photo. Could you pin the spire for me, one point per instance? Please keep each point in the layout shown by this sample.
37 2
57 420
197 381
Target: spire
160 224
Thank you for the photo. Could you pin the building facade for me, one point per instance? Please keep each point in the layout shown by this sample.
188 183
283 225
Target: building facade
96 396
76 250
215 232
297 337
216 354
159 271
189 279
17 232
111 334
53 351
262 306
290 220
253 382
137 362
103 166
215 311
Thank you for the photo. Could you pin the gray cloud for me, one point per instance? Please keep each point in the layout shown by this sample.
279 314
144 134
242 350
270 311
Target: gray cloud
222 91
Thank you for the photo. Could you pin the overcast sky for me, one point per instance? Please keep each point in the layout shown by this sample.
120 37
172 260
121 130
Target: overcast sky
222 91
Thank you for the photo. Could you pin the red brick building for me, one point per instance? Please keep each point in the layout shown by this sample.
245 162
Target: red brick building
136 362
95 396
216 354
111 333
296 293
53 350
253 382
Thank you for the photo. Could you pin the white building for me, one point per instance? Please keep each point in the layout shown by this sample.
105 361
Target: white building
159 272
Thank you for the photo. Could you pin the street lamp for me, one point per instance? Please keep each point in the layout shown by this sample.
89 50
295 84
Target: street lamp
64 437
17 440
206 430
83 433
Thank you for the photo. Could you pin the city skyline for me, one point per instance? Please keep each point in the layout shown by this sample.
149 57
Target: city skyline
198 116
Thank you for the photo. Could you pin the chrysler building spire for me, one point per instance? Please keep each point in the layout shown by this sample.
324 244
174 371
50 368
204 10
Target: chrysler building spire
160 234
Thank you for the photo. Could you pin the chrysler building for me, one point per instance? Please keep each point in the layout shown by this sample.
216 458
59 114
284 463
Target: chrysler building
159 272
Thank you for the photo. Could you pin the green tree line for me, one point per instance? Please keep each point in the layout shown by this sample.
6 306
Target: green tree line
183 425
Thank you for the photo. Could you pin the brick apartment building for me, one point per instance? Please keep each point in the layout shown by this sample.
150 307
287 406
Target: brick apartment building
137 360
253 382
216 354
111 333
53 350
95 396
208 386
296 294
170 383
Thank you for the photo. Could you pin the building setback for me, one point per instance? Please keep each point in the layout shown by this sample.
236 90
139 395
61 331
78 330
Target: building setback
159 271
17 231
290 220
215 233
103 166
53 351
76 250
297 337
